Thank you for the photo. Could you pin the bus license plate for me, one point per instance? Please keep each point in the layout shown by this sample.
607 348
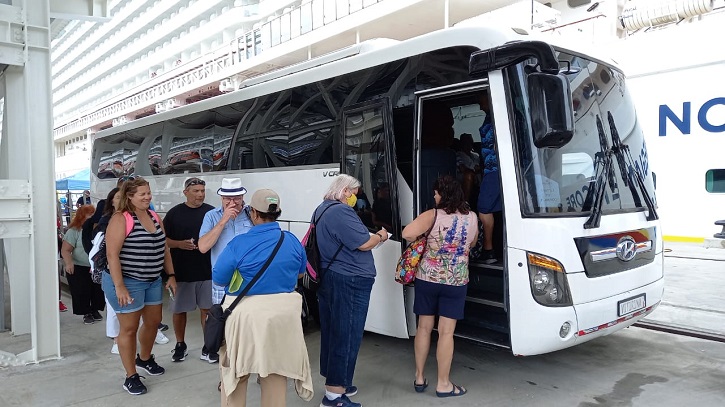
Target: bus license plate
631 305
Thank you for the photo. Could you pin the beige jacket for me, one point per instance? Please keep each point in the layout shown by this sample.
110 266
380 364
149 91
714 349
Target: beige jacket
264 336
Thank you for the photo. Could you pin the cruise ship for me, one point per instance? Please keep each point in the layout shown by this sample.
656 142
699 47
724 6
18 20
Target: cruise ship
142 57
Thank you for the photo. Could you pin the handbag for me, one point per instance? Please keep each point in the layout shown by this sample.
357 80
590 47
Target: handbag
410 259
97 257
216 318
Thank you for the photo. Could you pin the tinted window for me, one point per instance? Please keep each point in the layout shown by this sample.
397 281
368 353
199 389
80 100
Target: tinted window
715 181
366 158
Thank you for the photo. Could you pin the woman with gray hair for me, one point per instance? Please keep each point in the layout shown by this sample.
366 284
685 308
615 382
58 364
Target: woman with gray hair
348 273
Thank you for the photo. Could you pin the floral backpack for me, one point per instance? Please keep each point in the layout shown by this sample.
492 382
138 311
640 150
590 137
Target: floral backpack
410 259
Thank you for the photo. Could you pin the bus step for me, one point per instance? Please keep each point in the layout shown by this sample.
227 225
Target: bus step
484 301
477 265
482 335
487 293
485 317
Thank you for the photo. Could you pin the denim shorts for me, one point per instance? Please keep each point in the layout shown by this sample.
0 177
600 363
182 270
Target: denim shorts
439 299
142 292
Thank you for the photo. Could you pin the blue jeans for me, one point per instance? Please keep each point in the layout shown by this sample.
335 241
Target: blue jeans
343 302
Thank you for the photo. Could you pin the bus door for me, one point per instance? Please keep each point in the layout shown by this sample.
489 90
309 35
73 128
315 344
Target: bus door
448 142
368 154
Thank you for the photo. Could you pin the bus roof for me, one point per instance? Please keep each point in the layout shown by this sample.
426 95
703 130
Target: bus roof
350 59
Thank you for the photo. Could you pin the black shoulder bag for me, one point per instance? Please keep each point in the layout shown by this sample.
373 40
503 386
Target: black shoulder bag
216 318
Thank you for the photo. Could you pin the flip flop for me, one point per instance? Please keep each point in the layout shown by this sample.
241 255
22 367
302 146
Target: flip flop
420 388
452 393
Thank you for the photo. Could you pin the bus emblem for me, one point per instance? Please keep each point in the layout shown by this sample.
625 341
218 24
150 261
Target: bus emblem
626 248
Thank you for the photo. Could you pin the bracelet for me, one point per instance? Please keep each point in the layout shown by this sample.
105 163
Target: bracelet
171 275
380 236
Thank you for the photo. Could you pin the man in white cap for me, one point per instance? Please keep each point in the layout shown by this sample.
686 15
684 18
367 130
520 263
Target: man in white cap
219 227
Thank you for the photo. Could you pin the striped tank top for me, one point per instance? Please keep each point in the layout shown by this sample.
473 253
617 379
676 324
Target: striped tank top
142 254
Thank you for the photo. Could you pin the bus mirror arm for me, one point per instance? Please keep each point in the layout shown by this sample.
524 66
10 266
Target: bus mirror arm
481 62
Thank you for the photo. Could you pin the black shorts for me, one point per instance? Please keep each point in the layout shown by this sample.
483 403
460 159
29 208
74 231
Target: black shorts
439 299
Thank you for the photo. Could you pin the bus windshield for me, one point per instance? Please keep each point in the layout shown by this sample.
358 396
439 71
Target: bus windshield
607 150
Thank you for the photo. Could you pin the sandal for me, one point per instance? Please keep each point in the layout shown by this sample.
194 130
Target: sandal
420 388
452 393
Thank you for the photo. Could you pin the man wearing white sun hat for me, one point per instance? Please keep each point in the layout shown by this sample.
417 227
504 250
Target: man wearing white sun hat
219 228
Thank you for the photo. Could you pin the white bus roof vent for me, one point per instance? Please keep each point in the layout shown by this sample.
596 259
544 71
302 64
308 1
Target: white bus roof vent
649 13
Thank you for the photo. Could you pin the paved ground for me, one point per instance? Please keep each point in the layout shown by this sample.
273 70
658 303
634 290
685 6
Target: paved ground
634 367
693 289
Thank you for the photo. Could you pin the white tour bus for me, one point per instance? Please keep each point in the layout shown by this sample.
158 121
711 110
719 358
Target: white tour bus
578 239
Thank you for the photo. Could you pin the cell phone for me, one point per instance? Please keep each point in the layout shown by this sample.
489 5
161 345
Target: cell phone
171 293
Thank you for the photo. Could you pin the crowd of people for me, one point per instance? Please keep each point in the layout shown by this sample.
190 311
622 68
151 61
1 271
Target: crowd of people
205 255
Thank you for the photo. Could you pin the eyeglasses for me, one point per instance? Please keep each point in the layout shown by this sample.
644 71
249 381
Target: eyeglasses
233 198
193 181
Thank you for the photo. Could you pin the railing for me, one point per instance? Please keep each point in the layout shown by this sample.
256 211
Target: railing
291 24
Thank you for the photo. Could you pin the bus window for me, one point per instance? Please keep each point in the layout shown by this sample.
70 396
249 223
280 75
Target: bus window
190 151
110 164
366 145
155 157
715 181
220 154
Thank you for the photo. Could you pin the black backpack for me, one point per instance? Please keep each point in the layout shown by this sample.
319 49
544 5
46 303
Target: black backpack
312 279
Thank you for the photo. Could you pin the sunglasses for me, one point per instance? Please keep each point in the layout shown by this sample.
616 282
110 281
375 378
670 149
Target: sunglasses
129 177
194 181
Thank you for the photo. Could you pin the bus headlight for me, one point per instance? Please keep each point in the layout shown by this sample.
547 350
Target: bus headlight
541 280
548 281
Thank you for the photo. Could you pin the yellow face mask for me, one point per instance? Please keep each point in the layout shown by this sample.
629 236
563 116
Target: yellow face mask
352 200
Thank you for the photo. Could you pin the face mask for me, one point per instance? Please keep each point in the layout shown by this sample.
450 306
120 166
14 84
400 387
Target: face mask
352 200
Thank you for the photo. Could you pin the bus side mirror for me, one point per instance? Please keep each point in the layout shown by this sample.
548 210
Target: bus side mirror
552 115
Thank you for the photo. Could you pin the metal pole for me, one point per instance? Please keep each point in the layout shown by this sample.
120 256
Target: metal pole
532 15
2 286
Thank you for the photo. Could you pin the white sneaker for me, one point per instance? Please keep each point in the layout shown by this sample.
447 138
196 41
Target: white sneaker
114 349
161 339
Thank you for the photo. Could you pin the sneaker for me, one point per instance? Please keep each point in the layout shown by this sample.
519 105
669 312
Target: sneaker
350 391
88 319
114 349
150 366
97 316
179 352
210 357
133 385
488 257
163 327
161 339
342 401
62 307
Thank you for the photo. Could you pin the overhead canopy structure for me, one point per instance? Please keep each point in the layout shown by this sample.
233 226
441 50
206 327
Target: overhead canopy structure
76 182
27 212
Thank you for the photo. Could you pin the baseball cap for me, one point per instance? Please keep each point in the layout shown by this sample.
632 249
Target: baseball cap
266 200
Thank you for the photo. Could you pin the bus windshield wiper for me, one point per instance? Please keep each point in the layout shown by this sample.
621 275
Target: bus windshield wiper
603 170
631 175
